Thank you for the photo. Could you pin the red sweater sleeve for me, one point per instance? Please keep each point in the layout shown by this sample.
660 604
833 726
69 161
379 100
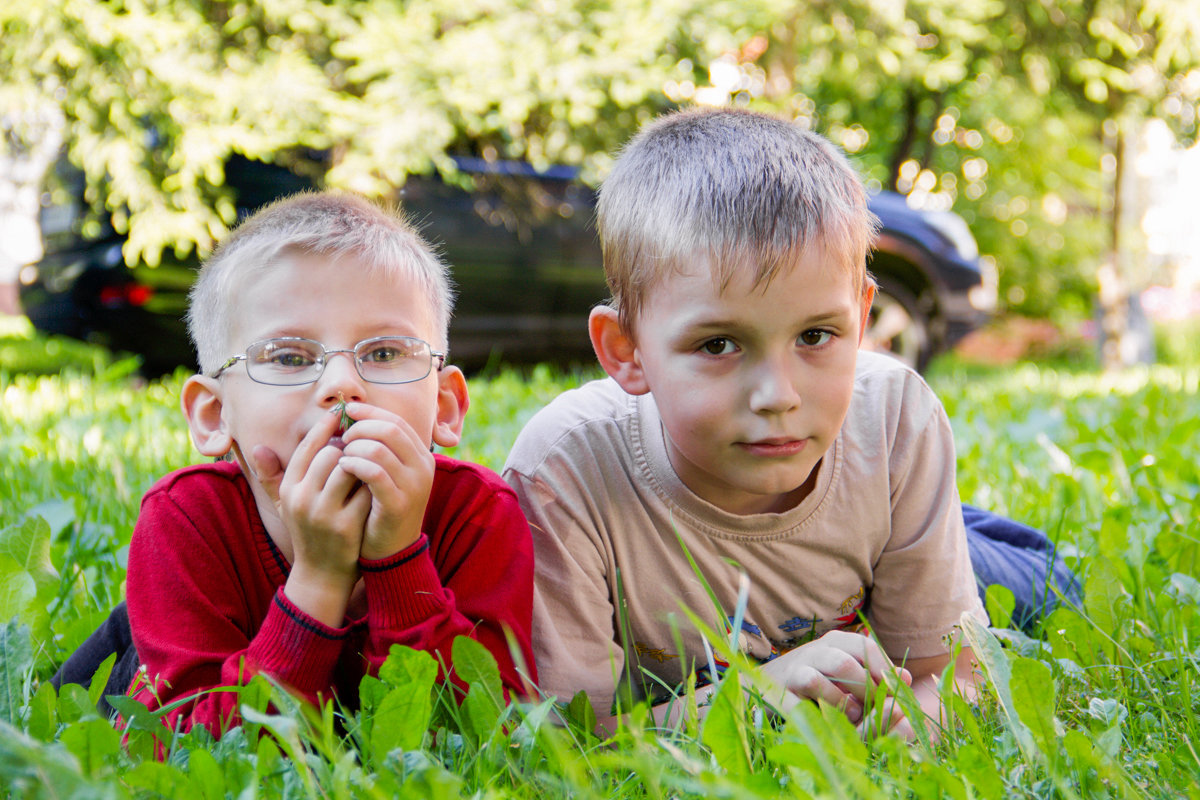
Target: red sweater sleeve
205 611
470 575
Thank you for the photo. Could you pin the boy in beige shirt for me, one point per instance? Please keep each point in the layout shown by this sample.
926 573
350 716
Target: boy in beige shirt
741 420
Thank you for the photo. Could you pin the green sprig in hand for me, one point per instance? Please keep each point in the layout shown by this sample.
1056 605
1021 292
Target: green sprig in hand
345 420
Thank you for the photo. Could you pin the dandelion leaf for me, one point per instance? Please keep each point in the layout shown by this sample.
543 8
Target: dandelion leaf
1032 687
485 699
16 659
724 732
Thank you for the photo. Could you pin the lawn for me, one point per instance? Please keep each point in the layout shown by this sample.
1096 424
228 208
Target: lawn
1100 701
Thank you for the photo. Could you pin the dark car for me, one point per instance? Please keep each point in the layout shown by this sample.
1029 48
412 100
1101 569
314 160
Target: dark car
523 254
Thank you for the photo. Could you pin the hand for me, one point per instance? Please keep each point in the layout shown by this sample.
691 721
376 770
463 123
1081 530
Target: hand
842 669
324 509
395 465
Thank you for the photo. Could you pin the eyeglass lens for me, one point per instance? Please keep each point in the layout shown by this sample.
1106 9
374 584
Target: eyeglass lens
289 361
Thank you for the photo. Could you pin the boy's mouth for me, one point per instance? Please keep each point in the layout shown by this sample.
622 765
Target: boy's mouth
775 447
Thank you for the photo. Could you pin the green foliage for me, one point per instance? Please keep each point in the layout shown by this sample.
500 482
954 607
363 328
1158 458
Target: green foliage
1001 108
1101 701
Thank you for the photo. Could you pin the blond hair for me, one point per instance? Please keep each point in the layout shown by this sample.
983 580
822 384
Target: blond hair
744 189
332 224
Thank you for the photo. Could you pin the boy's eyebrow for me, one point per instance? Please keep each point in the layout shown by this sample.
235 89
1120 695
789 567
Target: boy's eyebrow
835 315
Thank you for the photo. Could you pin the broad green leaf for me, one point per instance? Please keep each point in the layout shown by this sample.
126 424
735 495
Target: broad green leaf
74 704
135 715
980 771
270 760
481 715
991 657
28 544
401 720
94 742
371 692
476 667
17 590
1184 587
1106 602
405 666
206 775
42 769
580 712
999 603
724 731
1033 696
16 659
43 716
100 679
161 780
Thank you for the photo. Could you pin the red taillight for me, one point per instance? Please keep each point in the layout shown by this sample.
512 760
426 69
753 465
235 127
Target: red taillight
139 294
129 294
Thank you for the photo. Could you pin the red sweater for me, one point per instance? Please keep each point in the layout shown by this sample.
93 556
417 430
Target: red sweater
207 608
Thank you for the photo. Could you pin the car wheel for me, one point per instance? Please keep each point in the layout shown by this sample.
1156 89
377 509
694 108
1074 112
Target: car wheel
897 326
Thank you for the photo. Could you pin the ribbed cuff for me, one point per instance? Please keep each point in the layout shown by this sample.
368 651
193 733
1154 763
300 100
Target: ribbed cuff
296 649
403 589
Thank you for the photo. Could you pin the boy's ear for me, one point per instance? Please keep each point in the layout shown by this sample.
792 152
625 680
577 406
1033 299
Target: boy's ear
616 350
202 405
452 404
867 299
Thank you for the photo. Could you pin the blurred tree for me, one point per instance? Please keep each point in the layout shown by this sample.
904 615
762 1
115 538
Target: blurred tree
158 93
1005 109
1002 109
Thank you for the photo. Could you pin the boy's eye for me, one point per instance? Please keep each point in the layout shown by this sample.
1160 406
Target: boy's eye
814 338
289 358
718 347
383 354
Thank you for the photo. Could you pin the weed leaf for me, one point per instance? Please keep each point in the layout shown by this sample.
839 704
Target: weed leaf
477 668
94 742
1033 699
401 701
987 651
725 727
16 659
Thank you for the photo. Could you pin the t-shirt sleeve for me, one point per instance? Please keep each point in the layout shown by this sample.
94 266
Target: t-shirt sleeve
574 615
196 629
923 581
470 576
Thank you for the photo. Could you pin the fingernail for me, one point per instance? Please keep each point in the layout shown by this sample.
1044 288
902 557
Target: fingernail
854 711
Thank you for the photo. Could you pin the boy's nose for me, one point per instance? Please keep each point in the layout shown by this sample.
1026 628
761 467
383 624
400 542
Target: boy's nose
773 388
341 380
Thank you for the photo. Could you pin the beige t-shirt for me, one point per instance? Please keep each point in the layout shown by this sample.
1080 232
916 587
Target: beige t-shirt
881 533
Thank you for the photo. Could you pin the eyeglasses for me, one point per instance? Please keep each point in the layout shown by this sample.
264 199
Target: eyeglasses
292 361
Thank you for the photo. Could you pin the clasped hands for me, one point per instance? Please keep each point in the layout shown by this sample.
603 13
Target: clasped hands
364 500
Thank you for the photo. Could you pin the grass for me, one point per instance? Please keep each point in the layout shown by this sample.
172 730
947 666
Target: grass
1101 701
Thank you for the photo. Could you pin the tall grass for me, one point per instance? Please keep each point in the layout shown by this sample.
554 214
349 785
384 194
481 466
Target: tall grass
1101 701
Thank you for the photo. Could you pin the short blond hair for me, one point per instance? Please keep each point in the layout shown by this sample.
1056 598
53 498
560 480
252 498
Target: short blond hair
334 224
745 189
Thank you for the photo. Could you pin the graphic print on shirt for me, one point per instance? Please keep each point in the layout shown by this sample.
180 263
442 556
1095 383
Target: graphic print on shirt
804 629
659 654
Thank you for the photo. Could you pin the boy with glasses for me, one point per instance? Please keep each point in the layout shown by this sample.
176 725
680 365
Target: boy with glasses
330 531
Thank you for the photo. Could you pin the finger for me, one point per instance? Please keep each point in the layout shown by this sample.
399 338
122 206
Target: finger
828 676
865 650
383 426
388 456
268 468
387 473
886 717
876 661
314 442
